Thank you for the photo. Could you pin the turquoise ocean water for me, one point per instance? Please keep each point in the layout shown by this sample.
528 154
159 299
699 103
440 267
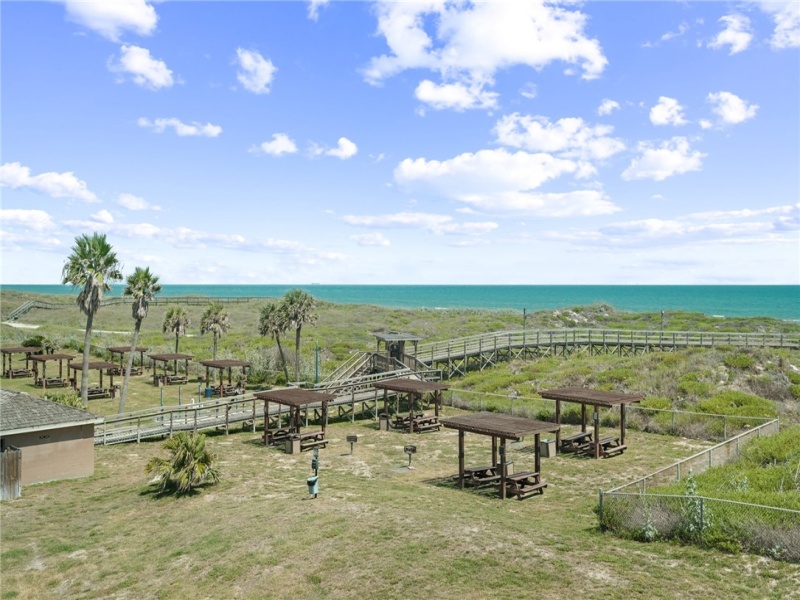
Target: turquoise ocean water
777 301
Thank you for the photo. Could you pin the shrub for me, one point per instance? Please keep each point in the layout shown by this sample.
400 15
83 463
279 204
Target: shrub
72 399
794 390
794 377
690 385
739 361
190 465
732 402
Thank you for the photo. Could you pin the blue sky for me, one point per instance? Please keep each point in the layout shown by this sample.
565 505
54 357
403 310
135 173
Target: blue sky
425 143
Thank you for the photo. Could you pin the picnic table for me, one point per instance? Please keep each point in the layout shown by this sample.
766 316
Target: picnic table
576 441
481 475
11 373
51 382
96 392
274 436
425 423
525 484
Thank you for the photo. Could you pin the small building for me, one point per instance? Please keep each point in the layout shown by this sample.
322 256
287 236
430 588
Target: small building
55 441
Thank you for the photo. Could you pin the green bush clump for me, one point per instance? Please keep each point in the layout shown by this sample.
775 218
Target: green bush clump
794 376
690 385
72 399
739 361
618 375
794 390
732 402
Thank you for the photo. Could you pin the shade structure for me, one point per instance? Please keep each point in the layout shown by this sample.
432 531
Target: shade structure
94 366
295 399
500 427
222 365
121 350
9 352
167 359
414 389
42 360
594 398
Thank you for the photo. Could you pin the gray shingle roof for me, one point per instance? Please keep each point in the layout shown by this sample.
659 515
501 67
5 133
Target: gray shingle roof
20 411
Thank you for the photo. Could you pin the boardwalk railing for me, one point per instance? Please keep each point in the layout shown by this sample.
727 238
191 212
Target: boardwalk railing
481 351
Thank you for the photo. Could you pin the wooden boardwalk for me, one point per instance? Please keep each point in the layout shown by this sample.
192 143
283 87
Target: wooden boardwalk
457 357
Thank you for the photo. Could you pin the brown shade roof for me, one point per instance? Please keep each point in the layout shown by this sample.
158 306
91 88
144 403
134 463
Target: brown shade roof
394 336
406 385
46 357
16 349
99 365
168 357
500 425
224 363
294 396
124 349
587 396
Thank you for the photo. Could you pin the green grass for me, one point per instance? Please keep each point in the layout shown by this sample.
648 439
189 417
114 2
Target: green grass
376 530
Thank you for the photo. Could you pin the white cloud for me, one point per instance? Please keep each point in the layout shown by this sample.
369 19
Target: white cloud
667 112
705 124
737 34
433 223
786 16
36 220
255 72
111 18
182 129
673 157
730 108
607 106
344 150
472 41
313 8
103 216
569 137
142 68
132 202
55 185
280 144
529 91
370 239
458 96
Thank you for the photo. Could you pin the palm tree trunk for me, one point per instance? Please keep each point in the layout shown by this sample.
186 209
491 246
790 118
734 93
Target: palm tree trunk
297 353
215 347
177 337
87 342
124 394
283 358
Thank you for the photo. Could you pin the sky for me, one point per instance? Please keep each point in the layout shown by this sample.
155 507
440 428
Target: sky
440 142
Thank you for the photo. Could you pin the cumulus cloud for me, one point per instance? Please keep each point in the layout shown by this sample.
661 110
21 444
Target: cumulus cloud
786 16
255 72
280 144
55 185
345 149
730 108
458 96
313 8
111 19
143 69
370 239
737 34
433 223
182 129
607 106
471 41
35 220
672 157
667 112
568 137
132 202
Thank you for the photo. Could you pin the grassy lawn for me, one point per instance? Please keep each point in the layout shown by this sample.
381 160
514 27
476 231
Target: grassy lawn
376 530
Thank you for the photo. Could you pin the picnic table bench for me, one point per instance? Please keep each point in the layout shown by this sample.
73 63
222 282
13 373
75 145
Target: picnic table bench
311 439
576 441
11 373
423 423
610 446
525 484
405 422
171 379
481 475
273 436
51 382
94 393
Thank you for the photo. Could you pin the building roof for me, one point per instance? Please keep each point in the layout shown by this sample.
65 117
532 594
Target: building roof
499 425
20 413
294 396
406 385
593 397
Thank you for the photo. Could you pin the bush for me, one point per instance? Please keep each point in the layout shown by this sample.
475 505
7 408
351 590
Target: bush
739 361
732 402
690 385
794 377
72 399
794 390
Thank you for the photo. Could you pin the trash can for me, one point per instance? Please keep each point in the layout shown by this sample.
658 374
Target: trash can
384 422
209 392
313 484
547 448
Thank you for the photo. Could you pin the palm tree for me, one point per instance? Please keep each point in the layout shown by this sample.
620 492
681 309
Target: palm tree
217 321
190 464
93 264
273 322
142 286
300 308
176 321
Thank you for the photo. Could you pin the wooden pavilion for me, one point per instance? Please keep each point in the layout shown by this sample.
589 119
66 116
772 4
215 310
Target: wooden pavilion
50 382
501 427
221 365
167 377
295 398
121 350
414 389
392 344
583 441
9 352
96 391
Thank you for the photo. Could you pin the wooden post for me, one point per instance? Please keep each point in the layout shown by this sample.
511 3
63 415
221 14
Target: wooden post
583 417
596 418
537 460
266 419
461 458
558 422
622 424
502 468
324 416
494 451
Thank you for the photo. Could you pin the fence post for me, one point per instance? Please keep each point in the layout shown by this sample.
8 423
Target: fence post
725 428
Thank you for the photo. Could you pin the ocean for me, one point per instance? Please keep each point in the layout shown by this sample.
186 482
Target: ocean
776 301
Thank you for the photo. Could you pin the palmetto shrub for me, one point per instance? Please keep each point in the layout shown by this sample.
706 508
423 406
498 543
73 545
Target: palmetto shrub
189 466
